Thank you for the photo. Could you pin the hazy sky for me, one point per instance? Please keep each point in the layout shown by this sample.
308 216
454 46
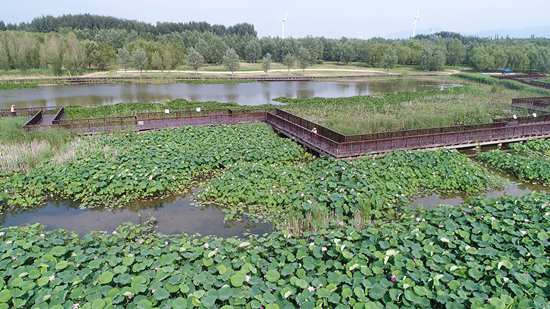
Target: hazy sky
332 19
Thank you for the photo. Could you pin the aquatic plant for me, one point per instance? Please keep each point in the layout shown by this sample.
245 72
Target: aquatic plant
378 187
147 165
483 254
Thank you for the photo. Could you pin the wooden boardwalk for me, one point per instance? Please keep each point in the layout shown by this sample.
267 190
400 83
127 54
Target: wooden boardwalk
325 141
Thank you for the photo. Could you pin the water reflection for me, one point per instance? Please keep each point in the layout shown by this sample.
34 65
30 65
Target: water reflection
176 214
246 94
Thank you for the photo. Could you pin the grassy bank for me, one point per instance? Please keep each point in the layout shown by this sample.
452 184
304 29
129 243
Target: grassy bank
486 254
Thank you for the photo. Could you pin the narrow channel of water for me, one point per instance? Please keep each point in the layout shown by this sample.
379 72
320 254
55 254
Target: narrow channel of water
176 214
516 187
244 94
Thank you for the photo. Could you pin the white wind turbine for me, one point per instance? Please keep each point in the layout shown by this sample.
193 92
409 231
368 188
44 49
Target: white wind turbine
284 23
272 34
417 18
361 33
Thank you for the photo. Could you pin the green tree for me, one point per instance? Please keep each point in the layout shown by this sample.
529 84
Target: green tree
377 53
266 63
74 55
455 52
252 51
389 61
140 60
438 60
54 53
156 60
303 59
204 49
217 49
106 55
426 55
288 61
194 59
90 52
231 60
167 60
124 59
543 63
348 52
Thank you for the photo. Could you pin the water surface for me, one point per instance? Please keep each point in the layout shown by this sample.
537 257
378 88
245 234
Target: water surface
245 94
176 214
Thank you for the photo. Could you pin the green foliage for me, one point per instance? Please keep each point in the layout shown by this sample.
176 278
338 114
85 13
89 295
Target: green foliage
529 162
389 61
147 165
509 84
484 254
129 109
140 59
6 86
231 60
466 104
382 185
266 63
194 59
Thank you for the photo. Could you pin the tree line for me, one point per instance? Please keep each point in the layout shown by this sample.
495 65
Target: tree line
49 23
74 49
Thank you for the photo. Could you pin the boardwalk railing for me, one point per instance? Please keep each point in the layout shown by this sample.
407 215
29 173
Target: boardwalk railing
325 141
34 120
27 111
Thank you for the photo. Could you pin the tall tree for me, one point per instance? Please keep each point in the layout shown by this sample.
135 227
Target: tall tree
91 51
124 59
288 61
156 60
426 55
303 59
231 60
167 59
106 55
54 53
252 51
74 55
543 63
194 59
266 63
455 52
140 60
389 61
438 60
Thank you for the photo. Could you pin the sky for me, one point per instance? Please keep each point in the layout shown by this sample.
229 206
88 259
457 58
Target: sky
331 19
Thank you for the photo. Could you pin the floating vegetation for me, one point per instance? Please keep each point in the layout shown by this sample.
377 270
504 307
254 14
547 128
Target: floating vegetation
375 187
529 162
147 165
484 254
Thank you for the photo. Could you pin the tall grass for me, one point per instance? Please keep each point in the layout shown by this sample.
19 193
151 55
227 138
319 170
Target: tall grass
24 150
468 104
508 84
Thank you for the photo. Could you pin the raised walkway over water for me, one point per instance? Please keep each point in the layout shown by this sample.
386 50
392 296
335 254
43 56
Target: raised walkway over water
325 141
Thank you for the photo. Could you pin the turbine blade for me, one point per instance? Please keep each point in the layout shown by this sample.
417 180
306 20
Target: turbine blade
414 23
421 21
287 13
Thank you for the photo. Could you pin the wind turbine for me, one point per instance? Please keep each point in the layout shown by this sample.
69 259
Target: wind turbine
284 23
361 33
417 18
272 33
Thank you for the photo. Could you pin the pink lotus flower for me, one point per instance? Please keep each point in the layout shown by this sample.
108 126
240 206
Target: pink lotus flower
95 257
206 245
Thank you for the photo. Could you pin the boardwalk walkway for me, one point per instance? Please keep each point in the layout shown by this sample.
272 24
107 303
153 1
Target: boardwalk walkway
325 141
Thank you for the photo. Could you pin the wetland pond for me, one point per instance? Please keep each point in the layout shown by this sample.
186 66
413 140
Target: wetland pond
244 94
177 213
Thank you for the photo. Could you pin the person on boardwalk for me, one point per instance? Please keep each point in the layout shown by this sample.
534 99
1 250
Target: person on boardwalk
13 110
314 130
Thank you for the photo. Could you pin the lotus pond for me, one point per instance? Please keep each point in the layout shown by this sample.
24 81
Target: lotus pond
484 254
